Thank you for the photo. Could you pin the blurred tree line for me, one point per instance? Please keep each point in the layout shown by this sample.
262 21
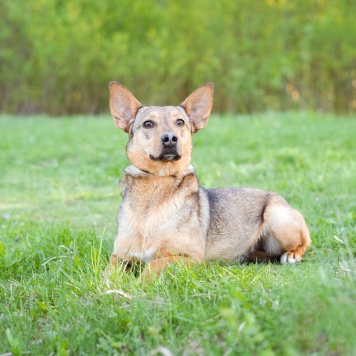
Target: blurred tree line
57 56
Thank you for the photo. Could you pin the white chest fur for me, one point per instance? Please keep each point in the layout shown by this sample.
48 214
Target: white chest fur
143 255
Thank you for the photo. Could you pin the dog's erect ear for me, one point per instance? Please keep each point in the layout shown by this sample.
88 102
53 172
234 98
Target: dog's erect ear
198 106
123 105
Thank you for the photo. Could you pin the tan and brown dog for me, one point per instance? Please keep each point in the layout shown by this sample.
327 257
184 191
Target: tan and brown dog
165 216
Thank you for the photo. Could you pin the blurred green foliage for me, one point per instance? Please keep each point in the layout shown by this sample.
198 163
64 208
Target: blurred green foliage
58 56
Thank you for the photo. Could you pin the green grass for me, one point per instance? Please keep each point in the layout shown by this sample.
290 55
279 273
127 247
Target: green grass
59 199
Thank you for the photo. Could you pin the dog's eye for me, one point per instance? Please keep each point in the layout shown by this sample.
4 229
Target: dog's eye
148 124
180 122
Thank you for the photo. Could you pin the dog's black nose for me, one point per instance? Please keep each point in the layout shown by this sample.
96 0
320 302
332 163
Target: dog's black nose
169 139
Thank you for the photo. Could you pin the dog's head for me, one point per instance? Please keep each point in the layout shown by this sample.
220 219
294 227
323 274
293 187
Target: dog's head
160 137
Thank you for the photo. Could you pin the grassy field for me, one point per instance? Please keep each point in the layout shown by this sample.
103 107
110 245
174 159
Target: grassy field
58 202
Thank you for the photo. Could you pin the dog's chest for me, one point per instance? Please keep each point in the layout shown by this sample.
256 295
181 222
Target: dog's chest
155 206
159 214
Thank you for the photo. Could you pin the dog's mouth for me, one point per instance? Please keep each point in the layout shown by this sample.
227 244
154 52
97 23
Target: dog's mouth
166 156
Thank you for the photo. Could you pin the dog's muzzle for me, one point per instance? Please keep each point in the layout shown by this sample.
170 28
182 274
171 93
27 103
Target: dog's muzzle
169 149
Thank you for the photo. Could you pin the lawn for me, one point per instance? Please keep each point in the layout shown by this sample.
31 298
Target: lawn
58 203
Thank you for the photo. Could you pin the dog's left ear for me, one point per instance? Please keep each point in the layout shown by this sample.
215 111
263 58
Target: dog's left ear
198 106
123 105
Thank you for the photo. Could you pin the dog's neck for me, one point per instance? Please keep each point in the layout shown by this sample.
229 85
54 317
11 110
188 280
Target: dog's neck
139 187
133 171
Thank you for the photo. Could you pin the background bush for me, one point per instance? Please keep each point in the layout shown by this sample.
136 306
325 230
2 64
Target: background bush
58 56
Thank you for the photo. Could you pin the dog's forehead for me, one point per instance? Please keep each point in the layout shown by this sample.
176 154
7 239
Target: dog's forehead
158 112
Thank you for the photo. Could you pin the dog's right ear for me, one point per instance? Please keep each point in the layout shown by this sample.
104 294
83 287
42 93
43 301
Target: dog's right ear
123 105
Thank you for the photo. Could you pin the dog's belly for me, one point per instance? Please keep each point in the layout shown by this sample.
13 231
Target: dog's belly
236 220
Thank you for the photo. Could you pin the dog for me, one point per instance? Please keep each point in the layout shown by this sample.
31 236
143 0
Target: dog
165 215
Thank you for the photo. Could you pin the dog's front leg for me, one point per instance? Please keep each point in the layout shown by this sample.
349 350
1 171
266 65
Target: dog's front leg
156 266
114 260
123 264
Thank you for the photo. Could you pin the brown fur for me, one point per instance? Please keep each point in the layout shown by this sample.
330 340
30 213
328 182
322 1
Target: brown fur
166 217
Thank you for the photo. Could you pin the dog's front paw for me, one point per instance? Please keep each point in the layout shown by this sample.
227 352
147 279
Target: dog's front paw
290 257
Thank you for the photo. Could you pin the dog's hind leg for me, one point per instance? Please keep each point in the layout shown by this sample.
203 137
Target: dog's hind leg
286 233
